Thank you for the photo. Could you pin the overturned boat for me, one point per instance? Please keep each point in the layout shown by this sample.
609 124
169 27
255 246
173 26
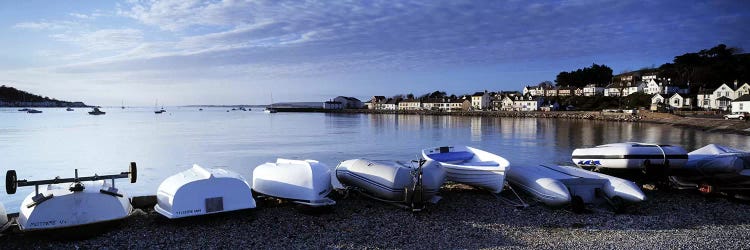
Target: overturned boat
563 185
306 182
393 181
4 222
470 166
200 191
630 155
715 168
88 200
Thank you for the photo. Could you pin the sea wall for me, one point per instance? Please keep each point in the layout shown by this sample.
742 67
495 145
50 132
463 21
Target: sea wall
701 123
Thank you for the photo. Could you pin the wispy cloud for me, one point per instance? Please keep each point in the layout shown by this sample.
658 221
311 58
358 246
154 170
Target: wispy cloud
104 39
45 25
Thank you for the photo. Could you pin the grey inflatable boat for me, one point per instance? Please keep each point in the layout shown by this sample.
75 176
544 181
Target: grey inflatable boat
392 181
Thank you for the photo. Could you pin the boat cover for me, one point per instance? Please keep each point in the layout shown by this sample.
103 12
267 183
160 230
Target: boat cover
714 158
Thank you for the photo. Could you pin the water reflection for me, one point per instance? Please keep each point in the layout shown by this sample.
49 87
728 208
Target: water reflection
56 142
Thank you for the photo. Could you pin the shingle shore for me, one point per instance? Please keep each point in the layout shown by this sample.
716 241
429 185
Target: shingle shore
464 218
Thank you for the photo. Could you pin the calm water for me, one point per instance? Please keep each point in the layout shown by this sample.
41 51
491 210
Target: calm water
56 142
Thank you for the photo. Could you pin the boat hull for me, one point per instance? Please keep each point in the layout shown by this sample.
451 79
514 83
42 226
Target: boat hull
200 191
557 185
470 166
72 209
630 156
306 182
390 180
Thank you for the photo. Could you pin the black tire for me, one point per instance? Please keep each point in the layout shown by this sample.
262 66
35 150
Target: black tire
133 173
11 182
577 205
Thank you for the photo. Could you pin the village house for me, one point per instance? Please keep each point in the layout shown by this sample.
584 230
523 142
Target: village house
527 103
349 102
592 90
678 101
741 104
410 104
657 98
480 100
375 101
613 89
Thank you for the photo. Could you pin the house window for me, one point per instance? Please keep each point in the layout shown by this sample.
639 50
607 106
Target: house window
741 106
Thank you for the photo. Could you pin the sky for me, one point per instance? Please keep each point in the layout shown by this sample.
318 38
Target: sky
185 52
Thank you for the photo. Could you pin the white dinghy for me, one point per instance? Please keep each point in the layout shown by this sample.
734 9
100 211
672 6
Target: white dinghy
630 155
562 185
470 166
715 167
306 182
88 200
200 191
392 181
4 222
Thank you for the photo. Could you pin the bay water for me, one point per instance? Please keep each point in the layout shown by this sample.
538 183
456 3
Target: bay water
55 142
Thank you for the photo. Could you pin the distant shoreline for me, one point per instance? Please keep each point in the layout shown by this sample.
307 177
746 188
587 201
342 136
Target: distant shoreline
704 124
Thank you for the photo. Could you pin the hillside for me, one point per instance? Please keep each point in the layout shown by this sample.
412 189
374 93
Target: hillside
12 97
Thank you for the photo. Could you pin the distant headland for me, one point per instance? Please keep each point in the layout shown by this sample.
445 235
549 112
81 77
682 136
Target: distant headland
12 97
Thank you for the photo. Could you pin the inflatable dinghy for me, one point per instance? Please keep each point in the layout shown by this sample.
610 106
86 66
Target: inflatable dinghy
305 182
393 181
562 185
630 155
87 200
716 167
200 191
4 222
470 166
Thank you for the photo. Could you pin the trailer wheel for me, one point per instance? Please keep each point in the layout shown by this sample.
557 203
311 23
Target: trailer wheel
577 205
10 182
133 174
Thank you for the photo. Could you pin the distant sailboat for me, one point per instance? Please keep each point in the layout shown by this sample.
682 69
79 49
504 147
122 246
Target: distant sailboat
270 109
123 104
156 110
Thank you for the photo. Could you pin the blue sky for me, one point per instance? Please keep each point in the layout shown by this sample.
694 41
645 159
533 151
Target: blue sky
233 51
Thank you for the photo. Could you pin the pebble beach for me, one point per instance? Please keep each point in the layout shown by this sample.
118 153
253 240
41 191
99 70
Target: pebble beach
465 218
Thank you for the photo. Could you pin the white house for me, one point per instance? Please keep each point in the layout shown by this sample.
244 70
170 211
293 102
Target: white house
592 90
633 88
527 103
657 98
741 104
480 100
743 89
678 101
614 89
653 87
410 104
390 104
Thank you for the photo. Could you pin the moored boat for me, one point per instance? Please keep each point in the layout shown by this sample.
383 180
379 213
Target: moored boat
33 111
630 155
96 111
470 166
200 191
69 109
306 182
88 200
393 181
562 185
